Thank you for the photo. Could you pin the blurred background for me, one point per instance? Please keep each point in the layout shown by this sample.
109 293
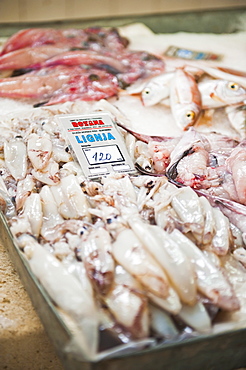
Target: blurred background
56 10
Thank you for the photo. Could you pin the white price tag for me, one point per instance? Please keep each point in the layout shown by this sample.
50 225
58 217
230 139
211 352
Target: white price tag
97 144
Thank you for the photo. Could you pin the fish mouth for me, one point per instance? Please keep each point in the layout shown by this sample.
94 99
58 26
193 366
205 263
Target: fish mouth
215 97
142 101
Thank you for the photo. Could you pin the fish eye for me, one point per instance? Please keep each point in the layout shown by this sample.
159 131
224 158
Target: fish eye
233 86
190 115
146 91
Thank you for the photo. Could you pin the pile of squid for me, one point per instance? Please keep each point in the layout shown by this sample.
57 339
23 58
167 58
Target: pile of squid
132 261
50 66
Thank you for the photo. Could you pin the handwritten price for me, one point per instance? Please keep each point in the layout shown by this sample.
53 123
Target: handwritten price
101 157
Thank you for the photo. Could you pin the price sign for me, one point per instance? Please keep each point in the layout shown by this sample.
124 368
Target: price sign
97 144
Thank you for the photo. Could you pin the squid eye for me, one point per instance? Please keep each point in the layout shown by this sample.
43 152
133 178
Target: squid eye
233 86
190 115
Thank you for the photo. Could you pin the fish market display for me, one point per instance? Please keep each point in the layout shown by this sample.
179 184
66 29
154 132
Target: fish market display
141 260
50 66
82 61
136 260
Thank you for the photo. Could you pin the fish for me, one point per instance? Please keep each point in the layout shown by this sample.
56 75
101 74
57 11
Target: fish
29 57
35 37
156 89
92 85
91 37
185 99
59 84
35 84
151 97
219 93
99 231
228 74
86 57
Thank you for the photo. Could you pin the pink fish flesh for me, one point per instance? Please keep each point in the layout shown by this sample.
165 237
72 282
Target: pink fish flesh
90 85
68 82
88 57
29 56
89 38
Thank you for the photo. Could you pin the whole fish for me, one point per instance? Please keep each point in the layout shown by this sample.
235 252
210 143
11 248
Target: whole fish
156 89
219 93
185 99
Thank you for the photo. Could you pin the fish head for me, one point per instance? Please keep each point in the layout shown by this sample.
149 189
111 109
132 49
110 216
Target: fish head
153 93
186 115
229 92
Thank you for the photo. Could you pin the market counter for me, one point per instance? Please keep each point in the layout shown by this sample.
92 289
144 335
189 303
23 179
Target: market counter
24 343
